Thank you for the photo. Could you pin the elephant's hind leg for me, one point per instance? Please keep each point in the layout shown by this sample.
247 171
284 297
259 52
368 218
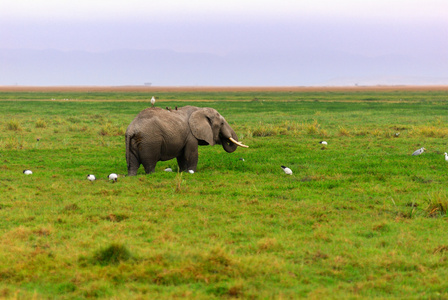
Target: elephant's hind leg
133 164
132 157
149 160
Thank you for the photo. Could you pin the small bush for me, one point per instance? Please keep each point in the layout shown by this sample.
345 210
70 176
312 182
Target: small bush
312 128
113 254
343 132
437 204
13 143
13 125
284 128
109 130
41 124
265 130
429 131
377 132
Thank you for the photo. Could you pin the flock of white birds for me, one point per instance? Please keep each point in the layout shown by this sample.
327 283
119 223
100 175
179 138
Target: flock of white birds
288 171
113 177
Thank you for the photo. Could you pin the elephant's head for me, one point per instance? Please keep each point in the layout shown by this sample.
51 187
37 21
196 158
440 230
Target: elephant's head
210 128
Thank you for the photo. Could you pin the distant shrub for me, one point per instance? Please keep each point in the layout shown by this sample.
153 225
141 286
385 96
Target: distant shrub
13 125
288 128
13 143
41 124
429 131
113 254
376 132
109 130
343 132
265 130
312 128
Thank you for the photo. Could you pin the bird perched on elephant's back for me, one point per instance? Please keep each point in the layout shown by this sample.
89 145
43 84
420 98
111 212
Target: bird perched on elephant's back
159 135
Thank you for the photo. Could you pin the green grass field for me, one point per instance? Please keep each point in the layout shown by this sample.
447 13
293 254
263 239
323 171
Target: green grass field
360 218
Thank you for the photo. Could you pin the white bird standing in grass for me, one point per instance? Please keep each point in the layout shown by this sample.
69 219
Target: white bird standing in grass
191 171
168 170
153 100
27 172
323 143
91 177
446 156
113 177
287 170
419 151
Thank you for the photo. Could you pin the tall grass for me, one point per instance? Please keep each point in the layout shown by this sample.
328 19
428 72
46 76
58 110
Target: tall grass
13 125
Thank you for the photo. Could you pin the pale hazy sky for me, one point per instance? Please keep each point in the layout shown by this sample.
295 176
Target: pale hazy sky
83 10
413 28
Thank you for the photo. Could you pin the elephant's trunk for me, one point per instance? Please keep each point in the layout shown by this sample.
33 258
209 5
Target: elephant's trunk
229 140
228 145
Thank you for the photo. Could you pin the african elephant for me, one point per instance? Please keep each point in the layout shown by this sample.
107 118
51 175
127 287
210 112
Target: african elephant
158 135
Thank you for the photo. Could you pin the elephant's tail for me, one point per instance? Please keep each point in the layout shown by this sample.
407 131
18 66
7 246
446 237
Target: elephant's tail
132 154
128 152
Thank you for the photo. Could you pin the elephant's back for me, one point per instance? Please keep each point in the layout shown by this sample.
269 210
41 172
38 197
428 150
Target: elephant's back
149 112
155 119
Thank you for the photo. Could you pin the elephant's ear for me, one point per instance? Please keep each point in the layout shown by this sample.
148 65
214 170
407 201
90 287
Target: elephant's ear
200 127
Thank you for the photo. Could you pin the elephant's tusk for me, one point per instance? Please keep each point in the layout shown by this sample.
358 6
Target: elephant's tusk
237 143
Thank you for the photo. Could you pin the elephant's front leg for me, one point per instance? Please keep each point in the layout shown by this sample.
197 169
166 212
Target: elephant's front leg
188 159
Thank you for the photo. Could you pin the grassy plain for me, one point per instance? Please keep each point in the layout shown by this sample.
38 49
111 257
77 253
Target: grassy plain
360 218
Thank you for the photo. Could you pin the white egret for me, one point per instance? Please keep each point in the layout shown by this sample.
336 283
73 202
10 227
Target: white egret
287 170
27 172
446 156
113 177
153 100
